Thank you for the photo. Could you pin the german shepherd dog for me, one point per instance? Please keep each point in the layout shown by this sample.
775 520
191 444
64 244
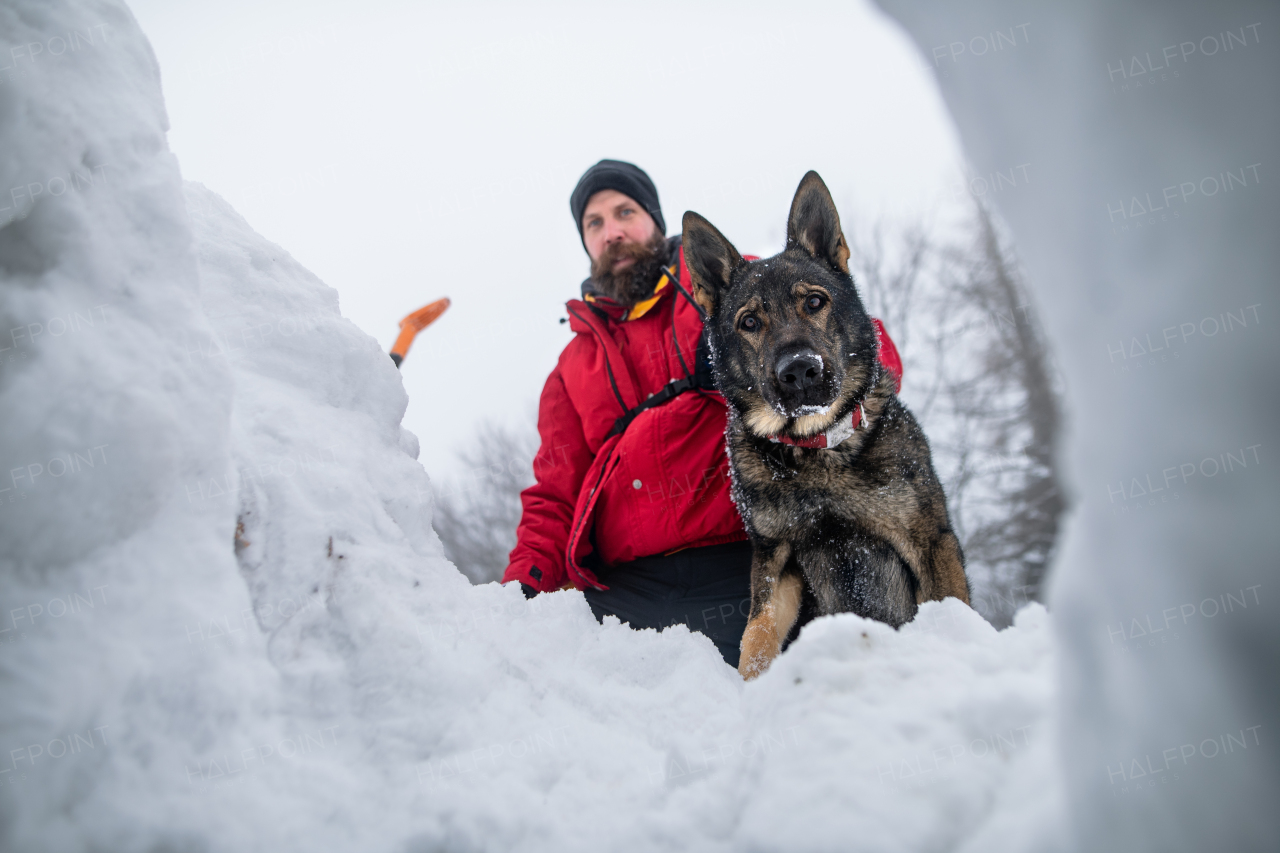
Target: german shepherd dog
831 472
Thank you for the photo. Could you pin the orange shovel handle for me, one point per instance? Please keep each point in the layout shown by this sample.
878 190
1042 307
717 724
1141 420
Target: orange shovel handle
414 323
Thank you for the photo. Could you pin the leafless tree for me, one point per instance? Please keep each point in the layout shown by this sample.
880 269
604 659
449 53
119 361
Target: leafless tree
477 512
1017 542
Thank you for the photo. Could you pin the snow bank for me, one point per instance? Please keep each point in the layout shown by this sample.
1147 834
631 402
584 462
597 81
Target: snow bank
1147 226
229 625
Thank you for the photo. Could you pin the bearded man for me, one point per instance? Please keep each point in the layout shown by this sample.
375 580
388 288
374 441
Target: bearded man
631 503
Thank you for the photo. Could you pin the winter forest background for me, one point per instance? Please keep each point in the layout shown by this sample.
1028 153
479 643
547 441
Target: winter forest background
978 375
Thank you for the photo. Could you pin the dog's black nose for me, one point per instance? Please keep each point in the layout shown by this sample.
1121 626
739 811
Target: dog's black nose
799 371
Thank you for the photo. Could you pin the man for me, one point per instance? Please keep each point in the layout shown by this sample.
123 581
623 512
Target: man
631 503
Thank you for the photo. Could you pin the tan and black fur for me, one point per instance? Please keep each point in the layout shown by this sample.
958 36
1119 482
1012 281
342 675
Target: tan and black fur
859 527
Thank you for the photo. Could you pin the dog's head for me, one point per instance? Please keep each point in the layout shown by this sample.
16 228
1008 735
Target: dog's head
794 349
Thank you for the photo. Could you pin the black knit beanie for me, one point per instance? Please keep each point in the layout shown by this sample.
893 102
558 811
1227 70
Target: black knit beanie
627 179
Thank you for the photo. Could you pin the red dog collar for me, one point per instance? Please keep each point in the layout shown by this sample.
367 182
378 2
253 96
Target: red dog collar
840 431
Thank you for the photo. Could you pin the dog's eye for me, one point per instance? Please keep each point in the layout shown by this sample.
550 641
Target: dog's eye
749 323
815 302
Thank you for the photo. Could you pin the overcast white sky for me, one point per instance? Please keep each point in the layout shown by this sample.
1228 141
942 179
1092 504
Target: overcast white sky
407 151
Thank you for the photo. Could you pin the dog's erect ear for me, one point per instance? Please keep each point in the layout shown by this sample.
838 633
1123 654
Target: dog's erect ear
710 258
814 224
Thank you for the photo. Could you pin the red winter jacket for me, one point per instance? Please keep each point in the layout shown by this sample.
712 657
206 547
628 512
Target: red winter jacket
660 486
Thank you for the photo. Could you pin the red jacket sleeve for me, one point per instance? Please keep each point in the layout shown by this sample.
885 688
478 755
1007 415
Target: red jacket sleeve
558 469
889 355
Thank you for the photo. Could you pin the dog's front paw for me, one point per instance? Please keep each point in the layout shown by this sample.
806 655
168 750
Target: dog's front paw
749 668
759 648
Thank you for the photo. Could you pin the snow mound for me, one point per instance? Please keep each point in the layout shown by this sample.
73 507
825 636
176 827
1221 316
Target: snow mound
235 629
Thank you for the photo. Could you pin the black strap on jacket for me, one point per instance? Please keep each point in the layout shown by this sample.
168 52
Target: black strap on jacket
699 380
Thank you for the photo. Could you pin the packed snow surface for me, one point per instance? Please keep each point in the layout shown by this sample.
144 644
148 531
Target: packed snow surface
228 624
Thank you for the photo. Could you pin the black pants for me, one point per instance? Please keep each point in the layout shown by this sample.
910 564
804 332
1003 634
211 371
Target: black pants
708 589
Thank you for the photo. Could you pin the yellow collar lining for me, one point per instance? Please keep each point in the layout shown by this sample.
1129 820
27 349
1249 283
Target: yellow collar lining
641 308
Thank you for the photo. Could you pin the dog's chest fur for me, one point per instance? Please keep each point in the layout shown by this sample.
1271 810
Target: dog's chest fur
844 510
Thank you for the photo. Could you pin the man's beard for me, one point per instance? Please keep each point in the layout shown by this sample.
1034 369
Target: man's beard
633 283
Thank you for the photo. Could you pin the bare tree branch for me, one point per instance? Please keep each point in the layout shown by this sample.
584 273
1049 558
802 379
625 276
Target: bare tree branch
477 513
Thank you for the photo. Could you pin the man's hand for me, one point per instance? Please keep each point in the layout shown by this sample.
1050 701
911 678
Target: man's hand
530 592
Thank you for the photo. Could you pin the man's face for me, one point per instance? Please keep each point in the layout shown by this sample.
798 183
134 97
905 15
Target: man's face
628 252
612 218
